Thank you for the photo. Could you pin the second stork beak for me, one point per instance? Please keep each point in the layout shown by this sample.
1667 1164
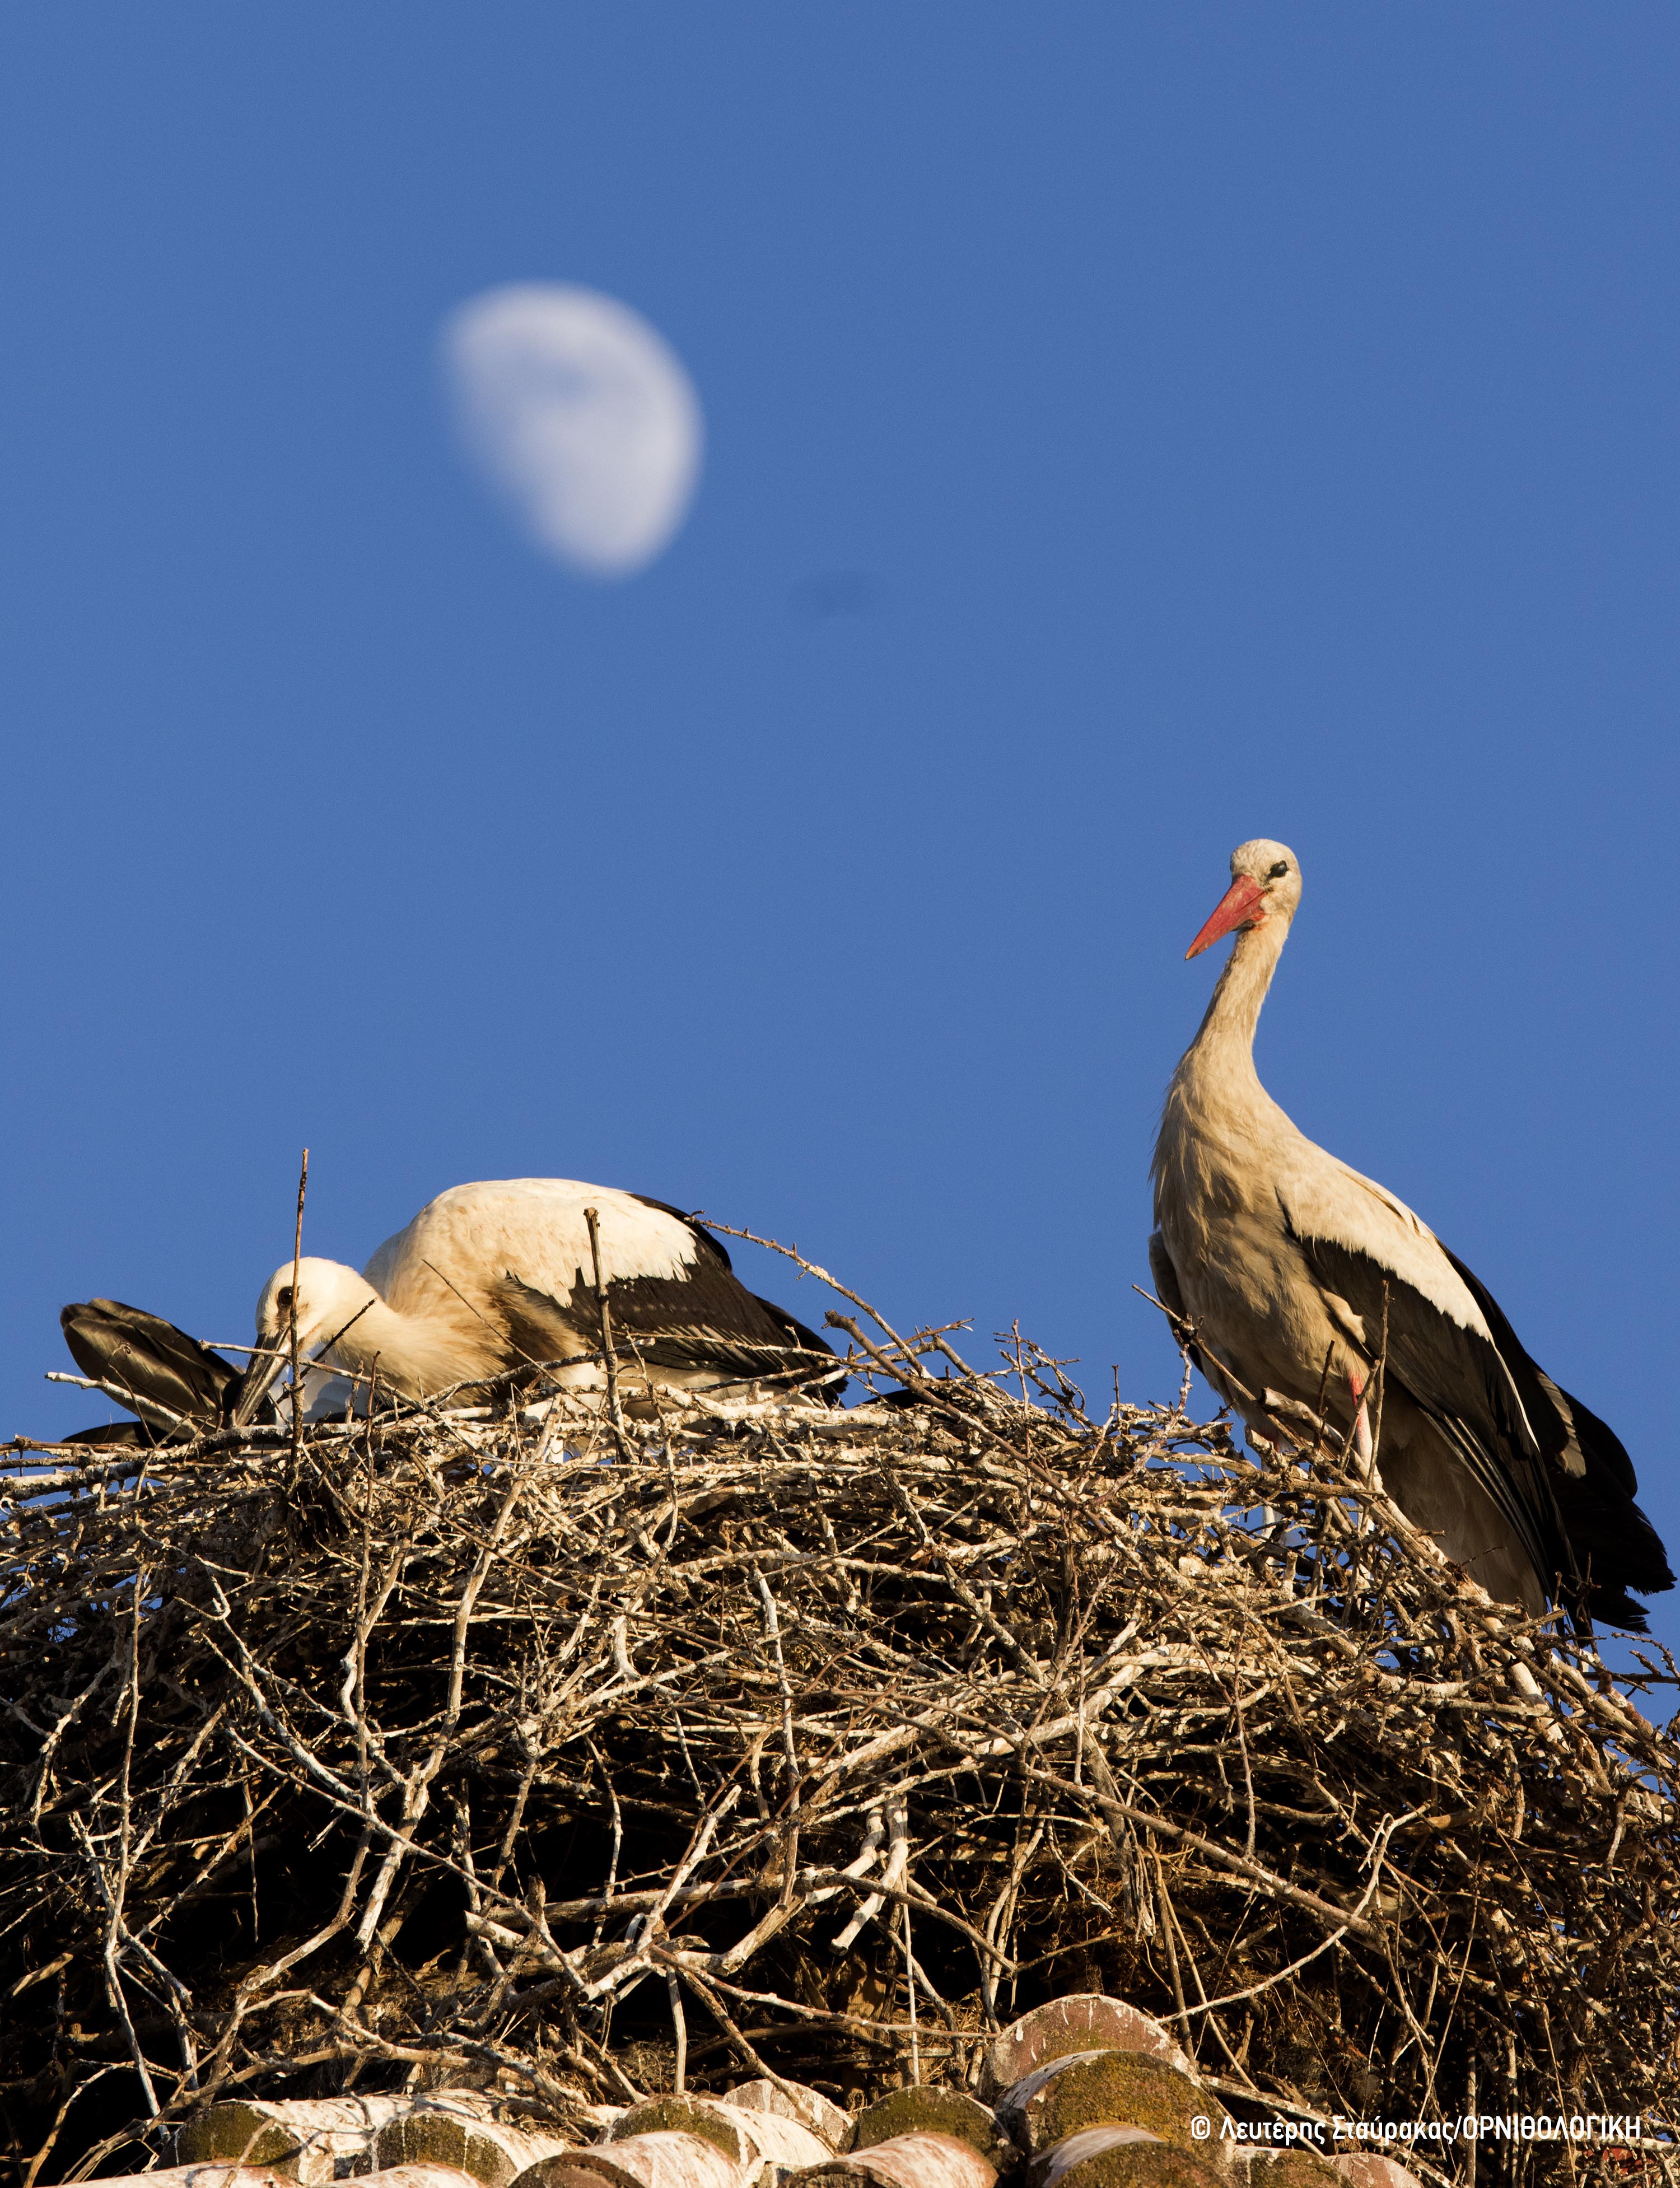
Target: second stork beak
1237 906
259 1377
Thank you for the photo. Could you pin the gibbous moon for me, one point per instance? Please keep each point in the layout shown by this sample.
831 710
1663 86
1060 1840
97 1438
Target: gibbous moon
583 415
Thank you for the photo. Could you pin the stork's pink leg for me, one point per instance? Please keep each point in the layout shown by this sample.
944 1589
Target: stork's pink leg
1361 1425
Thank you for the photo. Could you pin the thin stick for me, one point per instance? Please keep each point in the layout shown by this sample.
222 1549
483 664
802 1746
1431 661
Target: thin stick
296 1270
605 1312
679 2023
909 1986
1379 1376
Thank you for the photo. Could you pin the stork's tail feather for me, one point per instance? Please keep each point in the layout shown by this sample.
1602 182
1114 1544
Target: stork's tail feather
1614 1547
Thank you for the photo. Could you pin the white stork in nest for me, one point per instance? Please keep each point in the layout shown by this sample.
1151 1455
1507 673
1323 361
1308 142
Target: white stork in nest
488 1279
1280 1265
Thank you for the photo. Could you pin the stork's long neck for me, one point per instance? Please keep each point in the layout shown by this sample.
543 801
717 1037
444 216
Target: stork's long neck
1218 1121
1219 1064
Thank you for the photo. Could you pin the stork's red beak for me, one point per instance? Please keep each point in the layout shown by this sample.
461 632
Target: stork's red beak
1238 904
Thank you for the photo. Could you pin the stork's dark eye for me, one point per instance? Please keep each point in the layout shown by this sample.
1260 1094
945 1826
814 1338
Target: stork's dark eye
1278 871
282 1297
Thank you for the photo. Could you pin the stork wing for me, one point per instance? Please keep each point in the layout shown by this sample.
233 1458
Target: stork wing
1552 1469
1458 1377
1363 1247
147 1364
1165 1277
1608 1539
719 1326
709 1244
705 1321
708 1319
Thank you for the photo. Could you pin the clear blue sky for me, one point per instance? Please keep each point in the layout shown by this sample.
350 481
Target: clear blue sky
1228 419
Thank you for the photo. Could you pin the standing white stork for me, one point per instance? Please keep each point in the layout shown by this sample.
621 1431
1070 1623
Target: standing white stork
1278 1259
501 1276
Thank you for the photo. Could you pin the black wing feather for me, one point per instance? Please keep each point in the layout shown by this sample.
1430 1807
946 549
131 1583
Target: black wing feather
1164 1277
1557 1472
710 1320
706 1321
712 1247
145 1361
1458 1379
1596 1444
1610 1544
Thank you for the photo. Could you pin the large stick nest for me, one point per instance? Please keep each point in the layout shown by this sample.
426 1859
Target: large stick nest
575 1760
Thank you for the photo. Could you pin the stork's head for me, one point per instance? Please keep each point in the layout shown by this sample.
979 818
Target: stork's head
329 1297
1265 884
